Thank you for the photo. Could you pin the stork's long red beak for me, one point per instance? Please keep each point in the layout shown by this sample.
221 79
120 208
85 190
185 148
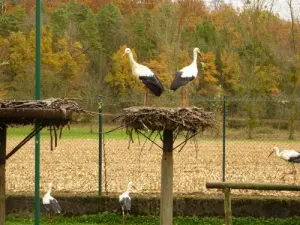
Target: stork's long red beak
270 153
123 55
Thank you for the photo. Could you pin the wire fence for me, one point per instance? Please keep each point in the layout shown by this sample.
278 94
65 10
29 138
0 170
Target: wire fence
252 127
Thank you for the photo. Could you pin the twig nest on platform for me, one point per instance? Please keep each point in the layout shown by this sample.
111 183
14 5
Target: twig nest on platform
48 112
174 119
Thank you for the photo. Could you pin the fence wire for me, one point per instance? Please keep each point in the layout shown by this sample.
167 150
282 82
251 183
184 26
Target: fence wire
253 128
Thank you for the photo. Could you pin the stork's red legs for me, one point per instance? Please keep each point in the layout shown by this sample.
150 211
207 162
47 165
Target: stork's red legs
181 97
184 96
293 172
187 95
145 96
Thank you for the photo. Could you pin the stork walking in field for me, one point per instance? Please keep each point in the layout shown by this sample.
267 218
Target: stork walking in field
184 76
291 156
50 203
148 78
125 200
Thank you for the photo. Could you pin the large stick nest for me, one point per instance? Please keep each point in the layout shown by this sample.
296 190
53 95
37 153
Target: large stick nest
191 119
48 112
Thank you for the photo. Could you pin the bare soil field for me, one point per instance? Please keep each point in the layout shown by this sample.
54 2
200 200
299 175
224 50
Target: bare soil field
73 166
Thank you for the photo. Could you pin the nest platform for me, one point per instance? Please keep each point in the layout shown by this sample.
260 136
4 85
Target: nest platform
168 123
49 112
173 119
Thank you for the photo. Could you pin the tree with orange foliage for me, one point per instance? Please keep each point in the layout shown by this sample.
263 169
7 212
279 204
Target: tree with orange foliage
191 13
161 68
207 82
230 71
132 6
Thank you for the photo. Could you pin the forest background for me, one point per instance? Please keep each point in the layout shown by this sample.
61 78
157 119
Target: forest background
249 52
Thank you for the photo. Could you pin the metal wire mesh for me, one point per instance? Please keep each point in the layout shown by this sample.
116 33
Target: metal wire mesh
253 127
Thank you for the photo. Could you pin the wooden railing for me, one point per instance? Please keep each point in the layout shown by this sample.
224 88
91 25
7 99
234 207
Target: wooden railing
226 187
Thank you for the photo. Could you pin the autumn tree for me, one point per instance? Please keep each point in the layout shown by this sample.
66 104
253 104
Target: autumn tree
11 21
230 71
166 33
291 70
260 76
120 80
110 28
62 70
141 36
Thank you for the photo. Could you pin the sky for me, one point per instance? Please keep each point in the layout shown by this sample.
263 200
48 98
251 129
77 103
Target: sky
280 7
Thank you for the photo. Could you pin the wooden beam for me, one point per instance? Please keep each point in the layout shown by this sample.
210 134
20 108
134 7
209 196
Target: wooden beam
253 186
35 113
2 172
227 206
166 200
24 141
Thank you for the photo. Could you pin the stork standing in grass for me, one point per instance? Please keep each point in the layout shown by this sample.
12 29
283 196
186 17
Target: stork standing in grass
291 156
50 203
185 75
148 78
125 200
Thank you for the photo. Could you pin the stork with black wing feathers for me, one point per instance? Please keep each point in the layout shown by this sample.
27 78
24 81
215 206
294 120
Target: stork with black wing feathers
148 78
186 75
50 203
125 200
291 156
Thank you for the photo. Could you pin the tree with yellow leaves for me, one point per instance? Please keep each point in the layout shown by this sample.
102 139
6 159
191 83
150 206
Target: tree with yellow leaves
207 82
120 79
63 64
230 72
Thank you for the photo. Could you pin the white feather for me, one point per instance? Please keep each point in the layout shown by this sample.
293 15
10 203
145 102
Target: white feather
142 71
286 154
47 197
189 71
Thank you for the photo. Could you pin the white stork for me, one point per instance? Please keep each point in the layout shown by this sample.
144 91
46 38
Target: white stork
291 156
125 200
50 203
145 75
185 75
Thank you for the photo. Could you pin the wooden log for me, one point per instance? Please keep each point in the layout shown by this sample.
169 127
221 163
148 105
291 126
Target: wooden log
35 113
227 206
275 187
166 200
2 172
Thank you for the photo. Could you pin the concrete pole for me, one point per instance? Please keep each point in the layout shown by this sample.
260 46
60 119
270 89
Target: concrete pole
166 199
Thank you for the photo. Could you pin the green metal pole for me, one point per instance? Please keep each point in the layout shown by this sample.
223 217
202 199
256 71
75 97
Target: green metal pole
100 143
37 97
224 138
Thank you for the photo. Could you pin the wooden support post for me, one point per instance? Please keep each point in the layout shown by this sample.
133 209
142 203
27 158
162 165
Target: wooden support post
227 206
166 199
2 172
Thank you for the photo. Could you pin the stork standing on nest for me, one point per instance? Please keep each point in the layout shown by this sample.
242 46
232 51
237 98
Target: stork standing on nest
184 76
125 200
291 156
148 78
50 203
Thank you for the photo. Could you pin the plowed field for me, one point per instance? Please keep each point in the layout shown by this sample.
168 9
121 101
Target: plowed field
73 166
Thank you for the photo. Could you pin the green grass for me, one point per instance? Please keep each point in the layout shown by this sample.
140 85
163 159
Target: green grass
79 131
75 132
113 219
